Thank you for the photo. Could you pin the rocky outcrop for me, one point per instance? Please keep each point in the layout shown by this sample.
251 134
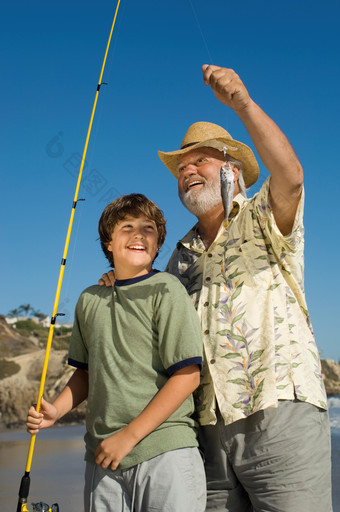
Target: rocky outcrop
19 386
331 374
19 391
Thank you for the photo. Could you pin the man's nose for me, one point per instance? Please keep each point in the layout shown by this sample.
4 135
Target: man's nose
189 169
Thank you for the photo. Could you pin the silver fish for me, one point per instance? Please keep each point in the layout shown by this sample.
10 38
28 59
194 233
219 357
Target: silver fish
227 188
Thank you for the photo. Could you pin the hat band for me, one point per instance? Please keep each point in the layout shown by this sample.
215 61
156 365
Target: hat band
188 145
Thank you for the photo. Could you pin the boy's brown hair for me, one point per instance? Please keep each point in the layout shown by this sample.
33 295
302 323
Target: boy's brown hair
134 205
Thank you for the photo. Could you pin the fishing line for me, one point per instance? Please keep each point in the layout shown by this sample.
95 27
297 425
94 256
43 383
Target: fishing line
25 481
206 46
201 32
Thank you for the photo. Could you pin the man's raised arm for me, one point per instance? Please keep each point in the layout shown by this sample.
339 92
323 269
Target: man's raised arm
271 144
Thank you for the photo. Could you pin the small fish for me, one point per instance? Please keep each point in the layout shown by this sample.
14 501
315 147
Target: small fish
227 188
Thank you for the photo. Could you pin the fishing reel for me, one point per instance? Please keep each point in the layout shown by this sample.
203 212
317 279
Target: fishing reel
43 507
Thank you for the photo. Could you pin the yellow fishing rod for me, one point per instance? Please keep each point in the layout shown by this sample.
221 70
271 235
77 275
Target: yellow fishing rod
25 481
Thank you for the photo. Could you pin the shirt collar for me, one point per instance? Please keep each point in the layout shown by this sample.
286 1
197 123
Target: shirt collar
132 280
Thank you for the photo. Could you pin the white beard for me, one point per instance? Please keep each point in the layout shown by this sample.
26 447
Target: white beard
199 202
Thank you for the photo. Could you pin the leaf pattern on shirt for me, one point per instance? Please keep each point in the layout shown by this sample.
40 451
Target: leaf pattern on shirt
238 344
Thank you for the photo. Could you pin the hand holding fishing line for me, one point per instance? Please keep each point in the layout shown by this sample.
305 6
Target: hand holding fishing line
43 419
227 87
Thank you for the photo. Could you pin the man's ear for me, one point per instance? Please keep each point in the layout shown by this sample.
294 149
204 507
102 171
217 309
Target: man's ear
236 172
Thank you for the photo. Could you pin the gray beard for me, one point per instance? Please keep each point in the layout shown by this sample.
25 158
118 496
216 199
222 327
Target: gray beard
200 202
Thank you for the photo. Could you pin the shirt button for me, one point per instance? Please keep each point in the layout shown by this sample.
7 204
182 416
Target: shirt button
206 331
206 304
209 255
212 361
208 278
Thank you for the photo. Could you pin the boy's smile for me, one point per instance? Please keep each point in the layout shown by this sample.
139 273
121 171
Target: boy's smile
134 245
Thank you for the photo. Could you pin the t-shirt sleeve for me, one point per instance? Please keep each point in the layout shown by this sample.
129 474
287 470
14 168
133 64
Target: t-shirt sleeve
179 330
78 353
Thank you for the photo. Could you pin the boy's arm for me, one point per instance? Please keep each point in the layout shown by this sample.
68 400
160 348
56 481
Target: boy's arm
75 392
179 386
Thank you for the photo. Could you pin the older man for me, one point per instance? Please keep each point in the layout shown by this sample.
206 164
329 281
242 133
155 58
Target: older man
261 404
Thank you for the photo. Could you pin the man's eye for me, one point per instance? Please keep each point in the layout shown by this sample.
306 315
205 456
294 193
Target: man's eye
201 161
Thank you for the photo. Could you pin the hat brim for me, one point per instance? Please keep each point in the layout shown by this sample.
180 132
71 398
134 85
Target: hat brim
234 148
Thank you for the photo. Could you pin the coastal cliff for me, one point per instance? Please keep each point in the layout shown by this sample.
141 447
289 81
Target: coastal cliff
21 363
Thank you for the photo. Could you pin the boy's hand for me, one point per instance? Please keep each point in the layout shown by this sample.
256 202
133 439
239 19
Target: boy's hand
43 419
113 449
107 279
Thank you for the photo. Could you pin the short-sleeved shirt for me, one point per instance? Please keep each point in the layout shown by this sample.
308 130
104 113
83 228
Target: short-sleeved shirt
131 338
249 292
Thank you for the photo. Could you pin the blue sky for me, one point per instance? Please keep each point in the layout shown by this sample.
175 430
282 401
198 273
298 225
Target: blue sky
287 54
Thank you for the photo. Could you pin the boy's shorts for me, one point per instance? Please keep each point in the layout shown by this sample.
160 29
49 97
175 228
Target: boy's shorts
171 482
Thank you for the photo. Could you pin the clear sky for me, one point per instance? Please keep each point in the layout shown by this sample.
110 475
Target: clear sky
287 54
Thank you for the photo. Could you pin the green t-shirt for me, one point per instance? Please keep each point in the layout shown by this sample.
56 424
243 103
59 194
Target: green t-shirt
131 338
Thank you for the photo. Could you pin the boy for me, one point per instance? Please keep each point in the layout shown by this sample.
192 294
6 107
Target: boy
137 350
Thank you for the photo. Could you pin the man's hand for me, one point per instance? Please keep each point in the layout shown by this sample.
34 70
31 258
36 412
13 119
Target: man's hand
107 279
43 419
227 87
113 449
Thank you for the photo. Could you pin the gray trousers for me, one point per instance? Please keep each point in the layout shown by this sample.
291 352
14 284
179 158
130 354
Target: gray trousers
276 460
171 482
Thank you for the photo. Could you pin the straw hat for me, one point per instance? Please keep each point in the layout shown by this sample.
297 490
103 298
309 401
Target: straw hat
213 136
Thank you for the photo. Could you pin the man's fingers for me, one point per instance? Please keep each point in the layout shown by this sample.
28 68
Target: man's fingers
107 279
207 69
227 86
212 73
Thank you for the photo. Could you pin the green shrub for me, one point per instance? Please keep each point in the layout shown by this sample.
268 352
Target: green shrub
29 328
61 334
8 368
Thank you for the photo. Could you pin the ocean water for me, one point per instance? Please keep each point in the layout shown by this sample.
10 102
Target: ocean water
334 412
58 467
334 418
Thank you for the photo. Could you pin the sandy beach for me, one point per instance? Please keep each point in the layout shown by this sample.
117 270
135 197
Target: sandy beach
58 467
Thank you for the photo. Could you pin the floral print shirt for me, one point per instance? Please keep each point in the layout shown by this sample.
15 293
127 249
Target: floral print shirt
249 292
